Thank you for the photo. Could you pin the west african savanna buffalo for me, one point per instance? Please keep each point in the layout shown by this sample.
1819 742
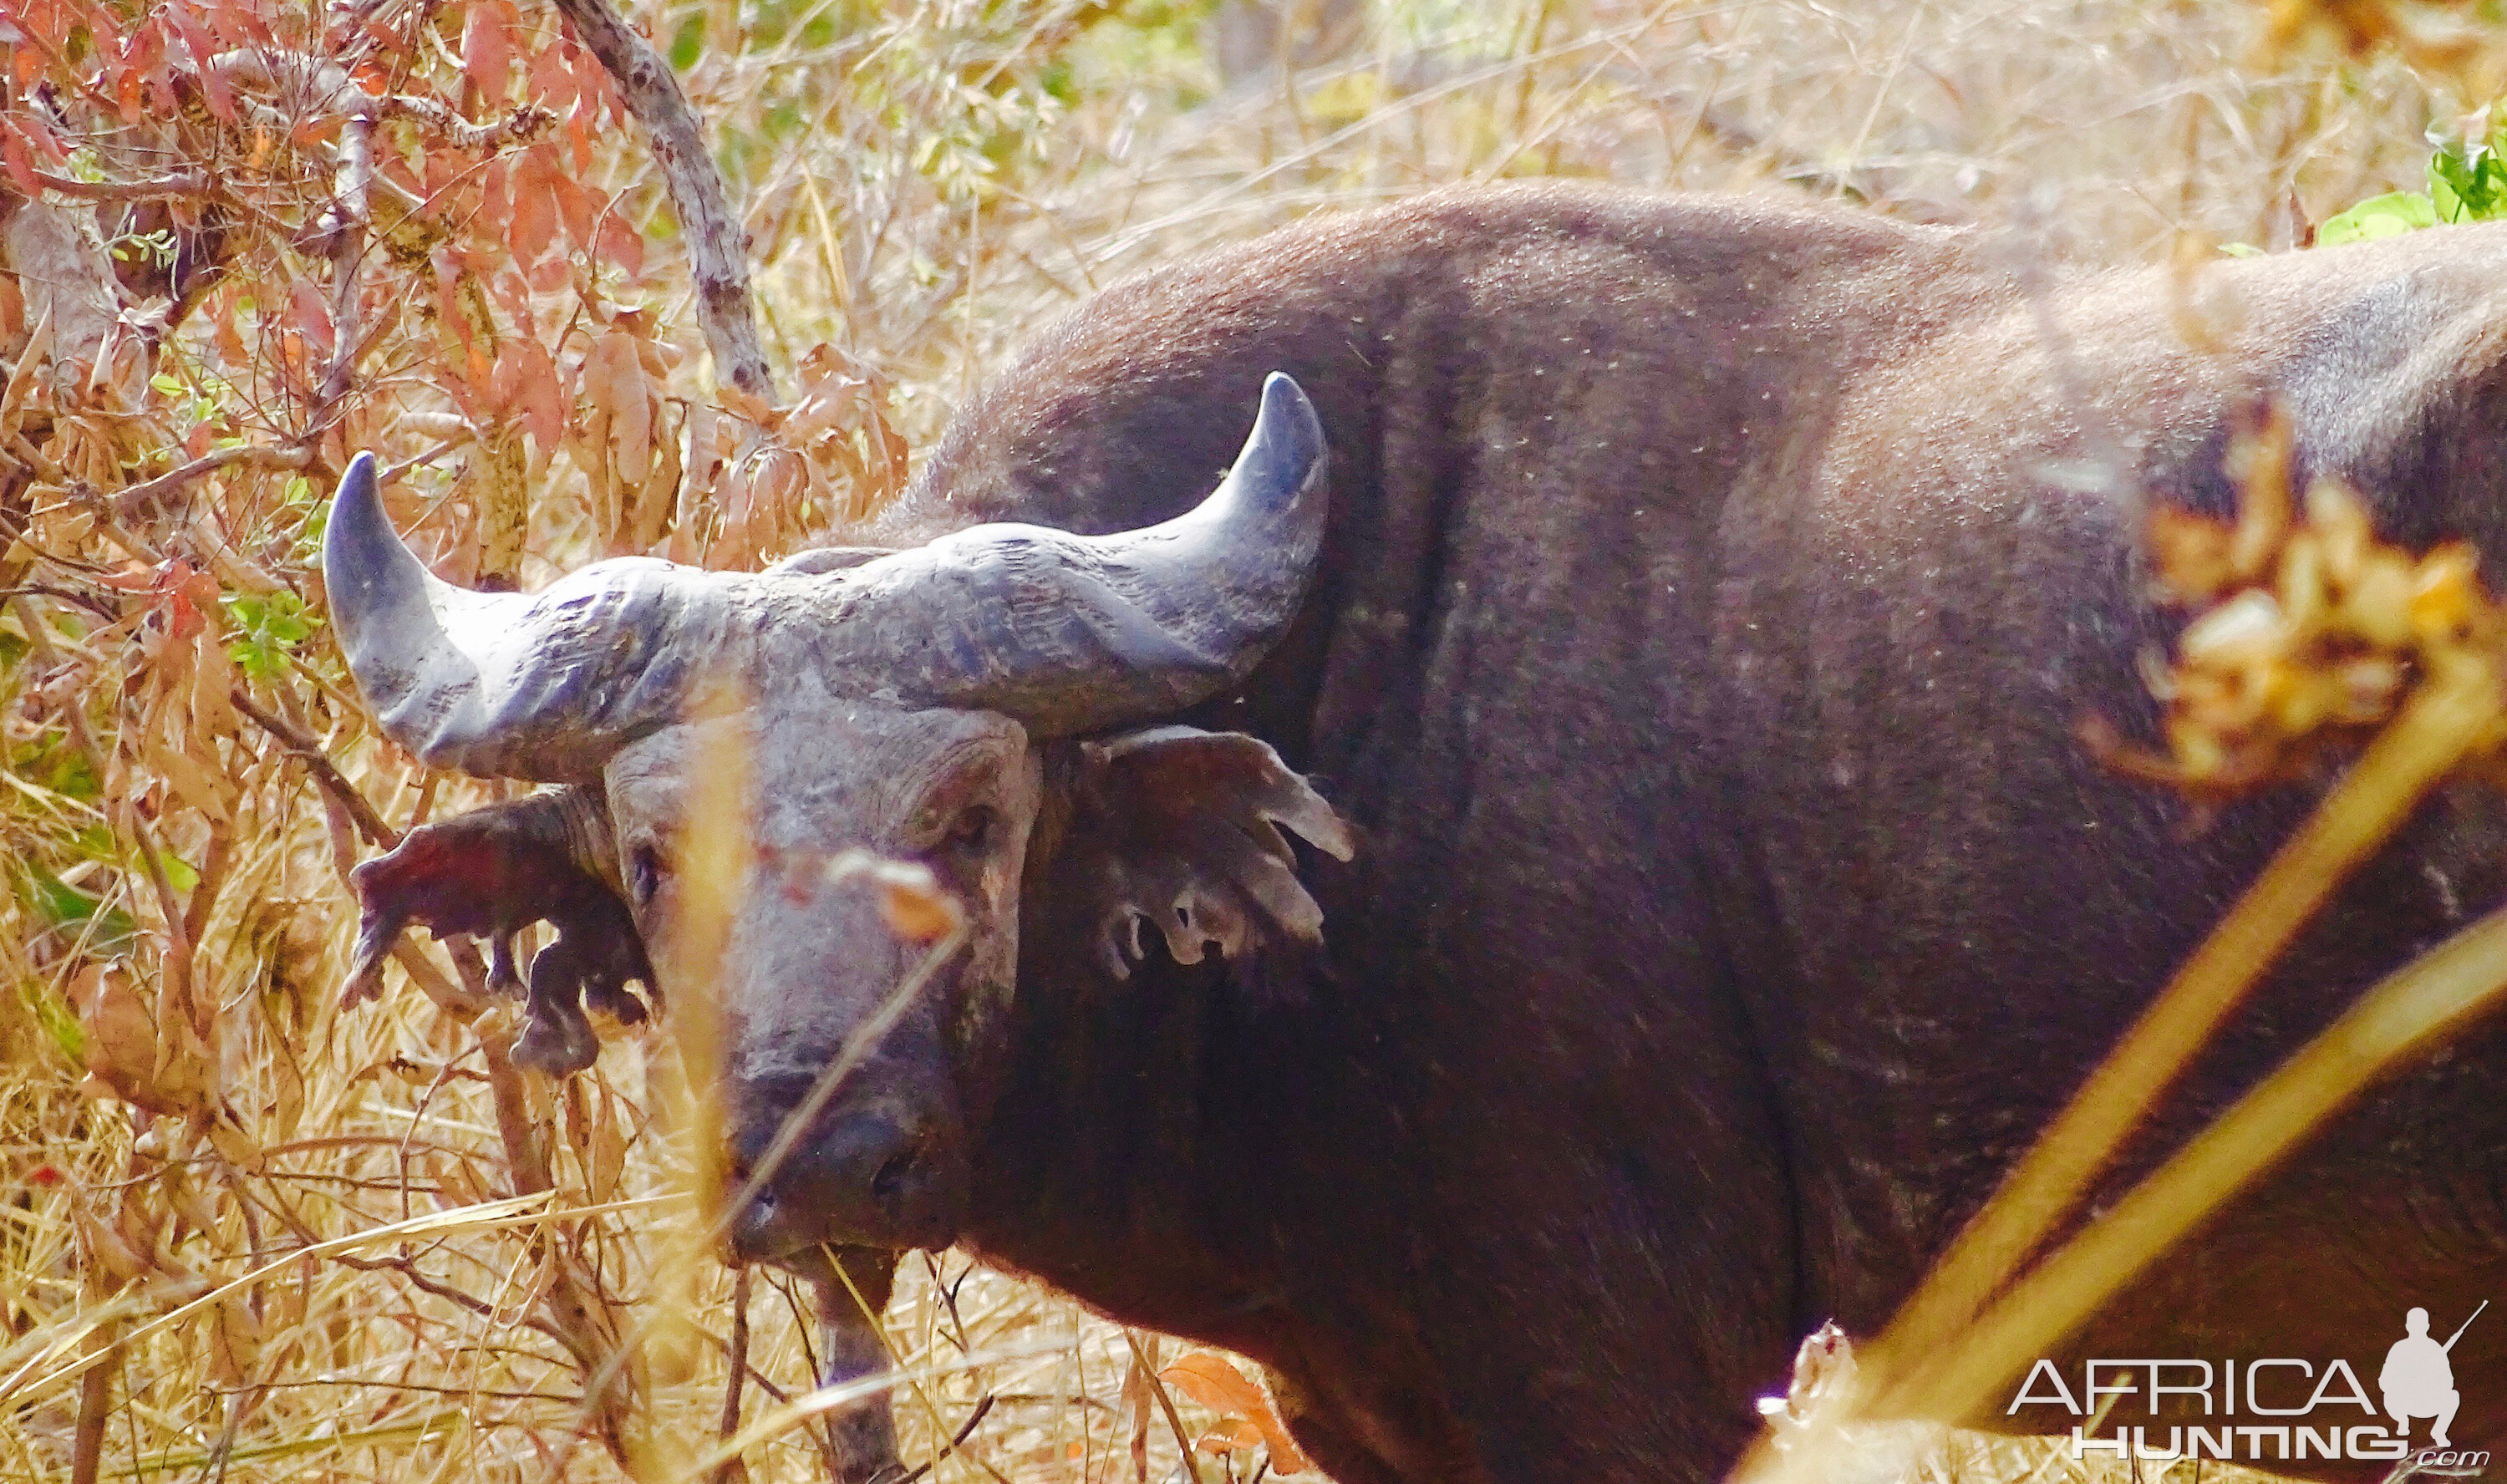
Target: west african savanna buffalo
1687 607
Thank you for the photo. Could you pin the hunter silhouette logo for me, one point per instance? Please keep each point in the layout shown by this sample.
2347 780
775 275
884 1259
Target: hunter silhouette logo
2419 1378
2269 1410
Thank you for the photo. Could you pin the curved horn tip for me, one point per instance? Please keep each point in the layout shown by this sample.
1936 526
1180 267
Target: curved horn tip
1287 438
359 487
357 527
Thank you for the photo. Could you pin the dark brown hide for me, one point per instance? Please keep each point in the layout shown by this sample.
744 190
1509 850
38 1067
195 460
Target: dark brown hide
1711 592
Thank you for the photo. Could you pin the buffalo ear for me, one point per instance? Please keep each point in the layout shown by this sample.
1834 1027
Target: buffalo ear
1178 829
494 871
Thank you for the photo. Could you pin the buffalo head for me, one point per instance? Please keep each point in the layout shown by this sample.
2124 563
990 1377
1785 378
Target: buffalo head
927 707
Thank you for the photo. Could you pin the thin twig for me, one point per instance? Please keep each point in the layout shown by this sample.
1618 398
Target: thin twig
1166 1403
180 183
717 246
326 772
94 1407
966 1431
138 498
732 1468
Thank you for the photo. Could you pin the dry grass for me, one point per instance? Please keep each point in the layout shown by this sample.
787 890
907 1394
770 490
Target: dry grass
925 182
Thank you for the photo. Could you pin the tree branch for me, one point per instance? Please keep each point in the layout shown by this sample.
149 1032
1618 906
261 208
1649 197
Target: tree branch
180 183
136 499
718 245
347 219
326 772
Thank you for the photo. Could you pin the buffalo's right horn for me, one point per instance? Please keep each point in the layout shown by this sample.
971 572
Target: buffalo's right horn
544 686
1070 633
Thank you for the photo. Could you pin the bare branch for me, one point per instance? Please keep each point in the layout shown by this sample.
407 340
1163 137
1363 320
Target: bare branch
717 244
346 223
518 126
136 499
329 89
326 772
95 1407
180 183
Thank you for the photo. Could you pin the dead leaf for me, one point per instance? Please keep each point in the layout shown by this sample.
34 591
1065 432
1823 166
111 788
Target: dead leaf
1214 1381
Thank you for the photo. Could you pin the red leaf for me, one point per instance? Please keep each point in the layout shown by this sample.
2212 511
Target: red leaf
105 30
202 47
551 273
495 197
21 168
223 333
621 244
307 311
534 224
448 297
553 85
1217 1384
544 404
578 208
487 52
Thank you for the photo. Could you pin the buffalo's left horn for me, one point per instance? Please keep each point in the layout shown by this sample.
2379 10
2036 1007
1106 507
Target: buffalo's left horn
1071 632
544 686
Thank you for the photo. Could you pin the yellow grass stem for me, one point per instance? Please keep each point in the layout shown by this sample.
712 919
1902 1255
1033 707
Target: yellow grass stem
436 1425
2421 1004
485 1215
2427 740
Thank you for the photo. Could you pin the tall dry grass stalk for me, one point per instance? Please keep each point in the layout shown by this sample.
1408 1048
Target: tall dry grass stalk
360 1244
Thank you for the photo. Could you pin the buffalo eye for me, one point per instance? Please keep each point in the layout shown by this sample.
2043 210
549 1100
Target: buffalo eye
644 874
972 831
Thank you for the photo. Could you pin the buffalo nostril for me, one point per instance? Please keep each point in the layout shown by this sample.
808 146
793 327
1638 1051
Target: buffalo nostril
890 1182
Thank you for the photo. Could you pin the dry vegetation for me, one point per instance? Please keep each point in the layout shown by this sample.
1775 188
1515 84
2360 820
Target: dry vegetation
250 1235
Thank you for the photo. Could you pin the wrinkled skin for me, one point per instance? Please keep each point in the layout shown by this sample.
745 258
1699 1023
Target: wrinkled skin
1711 594
492 873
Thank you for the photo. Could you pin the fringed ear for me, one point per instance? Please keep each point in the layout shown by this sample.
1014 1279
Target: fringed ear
494 871
1181 832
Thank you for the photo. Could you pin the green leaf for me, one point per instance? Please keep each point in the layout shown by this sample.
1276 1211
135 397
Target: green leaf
2241 250
51 762
2379 216
57 1020
71 911
689 43
269 629
2468 184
